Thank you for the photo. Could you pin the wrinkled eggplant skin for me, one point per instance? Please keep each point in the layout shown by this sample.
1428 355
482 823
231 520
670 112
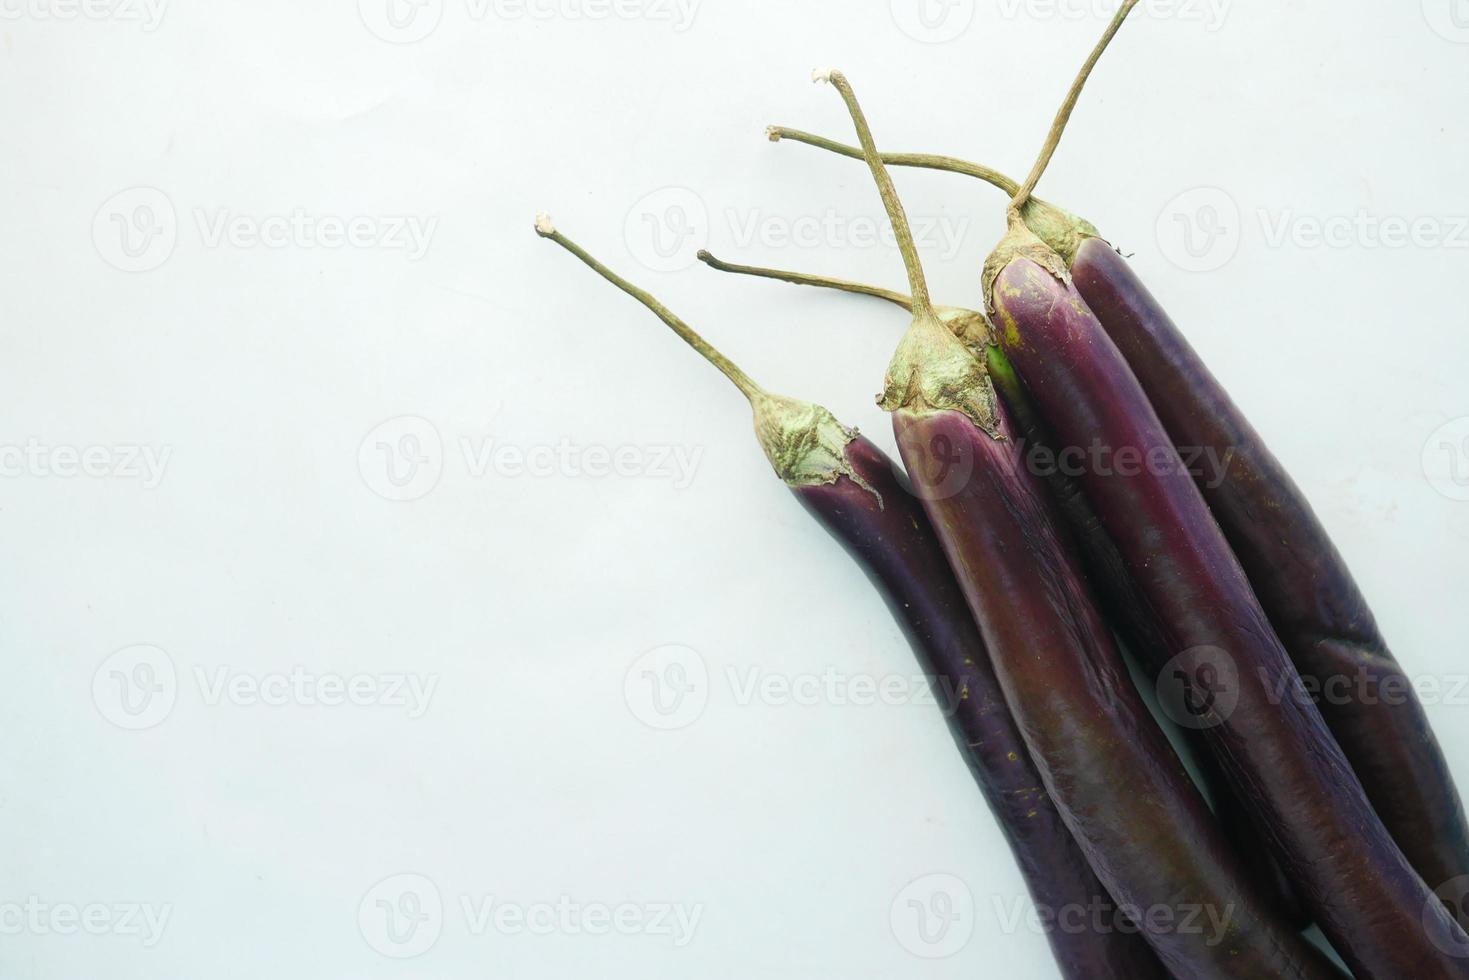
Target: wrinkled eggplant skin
1299 576
897 548
1127 610
1273 744
1115 779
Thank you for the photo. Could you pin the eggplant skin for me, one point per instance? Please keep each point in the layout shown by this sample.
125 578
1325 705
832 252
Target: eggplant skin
1115 779
897 548
1297 572
1128 612
1271 742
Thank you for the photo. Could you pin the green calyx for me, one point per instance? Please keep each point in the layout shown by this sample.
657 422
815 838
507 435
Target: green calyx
1063 231
1020 242
935 371
805 443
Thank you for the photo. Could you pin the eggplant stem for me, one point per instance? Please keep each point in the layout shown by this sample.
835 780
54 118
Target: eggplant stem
809 279
926 161
690 336
918 284
1063 116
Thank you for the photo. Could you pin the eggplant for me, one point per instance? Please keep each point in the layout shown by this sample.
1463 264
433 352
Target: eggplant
1115 778
861 497
1106 572
1299 576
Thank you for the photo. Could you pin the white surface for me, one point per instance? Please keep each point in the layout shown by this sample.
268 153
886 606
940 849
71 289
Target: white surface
791 829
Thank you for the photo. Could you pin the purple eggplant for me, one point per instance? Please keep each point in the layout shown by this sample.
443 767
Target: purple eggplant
861 497
1106 572
1297 572
1299 576
1116 780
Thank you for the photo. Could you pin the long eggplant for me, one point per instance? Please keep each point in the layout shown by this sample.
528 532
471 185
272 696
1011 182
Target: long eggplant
860 496
1297 572
1119 785
1106 571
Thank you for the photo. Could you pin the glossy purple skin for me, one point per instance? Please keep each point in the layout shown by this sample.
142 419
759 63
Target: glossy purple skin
1299 576
1128 612
1115 779
1273 744
896 546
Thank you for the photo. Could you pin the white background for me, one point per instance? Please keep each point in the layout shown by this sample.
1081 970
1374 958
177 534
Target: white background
282 376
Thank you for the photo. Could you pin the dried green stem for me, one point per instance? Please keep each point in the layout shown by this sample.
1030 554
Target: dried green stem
918 284
742 381
1058 127
809 279
926 161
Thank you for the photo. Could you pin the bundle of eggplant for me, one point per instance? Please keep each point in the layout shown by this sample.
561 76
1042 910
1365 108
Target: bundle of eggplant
1014 581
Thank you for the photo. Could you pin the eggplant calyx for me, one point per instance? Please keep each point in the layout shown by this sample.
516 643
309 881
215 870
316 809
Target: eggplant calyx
971 327
805 443
1020 243
935 371
1060 229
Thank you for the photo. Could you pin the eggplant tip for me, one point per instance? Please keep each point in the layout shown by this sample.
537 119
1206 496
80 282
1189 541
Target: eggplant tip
544 225
822 75
772 133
